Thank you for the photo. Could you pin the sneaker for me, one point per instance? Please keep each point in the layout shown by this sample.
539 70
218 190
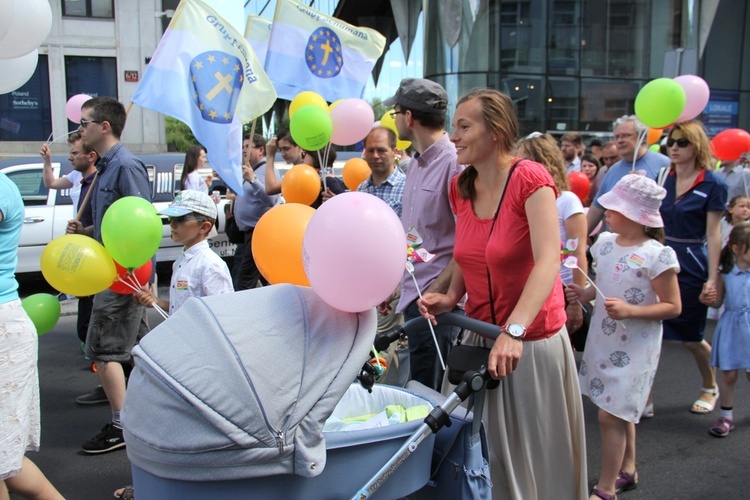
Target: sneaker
94 396
109 439
722 427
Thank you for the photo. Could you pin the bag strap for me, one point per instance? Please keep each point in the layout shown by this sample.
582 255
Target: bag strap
662 177
492 228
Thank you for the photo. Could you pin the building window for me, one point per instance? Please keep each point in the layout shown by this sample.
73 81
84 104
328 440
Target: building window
25 113
94 76
102 9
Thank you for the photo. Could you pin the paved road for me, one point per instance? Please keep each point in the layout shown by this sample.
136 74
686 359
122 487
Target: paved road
677 457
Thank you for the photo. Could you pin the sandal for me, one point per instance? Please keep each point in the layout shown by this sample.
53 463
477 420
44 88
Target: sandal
626 482
126 493
704 407
604 496
722 427
648 411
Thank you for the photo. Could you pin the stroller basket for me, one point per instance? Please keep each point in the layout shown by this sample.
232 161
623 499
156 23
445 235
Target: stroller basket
352 458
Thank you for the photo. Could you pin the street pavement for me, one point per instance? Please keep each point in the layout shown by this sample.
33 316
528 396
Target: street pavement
677 458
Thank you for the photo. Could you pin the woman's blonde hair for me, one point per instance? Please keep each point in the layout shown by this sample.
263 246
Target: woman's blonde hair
499 117
693 131
543 149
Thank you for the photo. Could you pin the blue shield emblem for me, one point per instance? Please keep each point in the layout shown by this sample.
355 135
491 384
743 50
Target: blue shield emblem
323 53
217 79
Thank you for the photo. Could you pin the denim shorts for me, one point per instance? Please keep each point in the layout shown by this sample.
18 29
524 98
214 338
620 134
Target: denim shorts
114 327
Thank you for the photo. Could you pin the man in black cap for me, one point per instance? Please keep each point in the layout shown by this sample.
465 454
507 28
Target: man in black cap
419 113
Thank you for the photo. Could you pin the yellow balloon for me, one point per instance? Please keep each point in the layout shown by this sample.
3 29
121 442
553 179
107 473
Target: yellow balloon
307 98
77 265
387 121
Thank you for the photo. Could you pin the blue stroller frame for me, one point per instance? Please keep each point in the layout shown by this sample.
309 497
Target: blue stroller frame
216 409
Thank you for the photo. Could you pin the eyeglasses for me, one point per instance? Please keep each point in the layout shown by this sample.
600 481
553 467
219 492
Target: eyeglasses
610 158
394 113
185 218
85 123
681 143
624 136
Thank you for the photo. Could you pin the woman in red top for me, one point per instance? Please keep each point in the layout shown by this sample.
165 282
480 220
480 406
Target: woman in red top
508 254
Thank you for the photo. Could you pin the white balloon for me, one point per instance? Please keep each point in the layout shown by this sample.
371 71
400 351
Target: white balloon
32 21
17 71
232 11
6 18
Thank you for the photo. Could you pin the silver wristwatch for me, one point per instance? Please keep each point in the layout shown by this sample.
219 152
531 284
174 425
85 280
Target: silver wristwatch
515 330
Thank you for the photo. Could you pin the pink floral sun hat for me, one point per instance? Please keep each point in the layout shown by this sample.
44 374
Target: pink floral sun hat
636 197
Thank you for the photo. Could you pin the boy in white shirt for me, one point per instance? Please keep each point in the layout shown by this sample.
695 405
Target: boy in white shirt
199 271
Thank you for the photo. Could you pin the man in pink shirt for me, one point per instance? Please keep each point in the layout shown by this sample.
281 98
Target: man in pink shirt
419 108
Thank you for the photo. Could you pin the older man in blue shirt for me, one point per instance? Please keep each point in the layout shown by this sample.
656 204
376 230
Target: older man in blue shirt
115 319
635 158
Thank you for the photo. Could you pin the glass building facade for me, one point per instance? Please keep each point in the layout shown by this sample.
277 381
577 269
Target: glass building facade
579 64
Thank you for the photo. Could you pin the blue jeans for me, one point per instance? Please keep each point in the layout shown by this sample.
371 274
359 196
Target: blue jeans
425 363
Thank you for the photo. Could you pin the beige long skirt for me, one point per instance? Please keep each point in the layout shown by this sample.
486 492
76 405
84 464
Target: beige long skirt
534 424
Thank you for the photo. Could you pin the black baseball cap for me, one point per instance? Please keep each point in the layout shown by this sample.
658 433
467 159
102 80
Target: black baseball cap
419 94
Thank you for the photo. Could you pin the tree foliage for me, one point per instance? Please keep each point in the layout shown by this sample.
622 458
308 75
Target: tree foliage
179 135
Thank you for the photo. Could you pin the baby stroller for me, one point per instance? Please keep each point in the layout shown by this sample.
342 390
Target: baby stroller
229 397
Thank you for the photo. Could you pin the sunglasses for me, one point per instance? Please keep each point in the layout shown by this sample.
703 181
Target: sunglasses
681 143
394 113
85 123
185 218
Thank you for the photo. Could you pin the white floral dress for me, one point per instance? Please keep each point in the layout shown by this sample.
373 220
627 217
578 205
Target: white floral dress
19 388
620 359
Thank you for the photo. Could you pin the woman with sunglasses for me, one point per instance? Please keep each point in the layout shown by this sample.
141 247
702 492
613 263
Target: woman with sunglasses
692 210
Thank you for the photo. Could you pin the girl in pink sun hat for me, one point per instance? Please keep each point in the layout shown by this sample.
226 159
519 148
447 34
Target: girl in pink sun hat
638 276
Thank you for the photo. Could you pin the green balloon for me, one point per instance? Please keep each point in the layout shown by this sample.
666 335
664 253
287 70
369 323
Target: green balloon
660 102
654 147
43 310
131 231
311 127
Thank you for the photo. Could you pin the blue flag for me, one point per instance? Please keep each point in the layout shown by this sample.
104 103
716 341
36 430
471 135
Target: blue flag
311 51
206 75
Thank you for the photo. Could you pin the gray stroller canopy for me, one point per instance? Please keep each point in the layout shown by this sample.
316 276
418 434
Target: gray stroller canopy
240 385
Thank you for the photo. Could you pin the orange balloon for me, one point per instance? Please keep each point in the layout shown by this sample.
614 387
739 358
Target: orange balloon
355 172
277 243
301 184
654 134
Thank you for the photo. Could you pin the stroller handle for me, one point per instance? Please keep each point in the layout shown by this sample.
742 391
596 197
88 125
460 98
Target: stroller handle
383 340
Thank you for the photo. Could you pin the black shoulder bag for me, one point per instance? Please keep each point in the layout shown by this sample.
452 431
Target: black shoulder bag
464 358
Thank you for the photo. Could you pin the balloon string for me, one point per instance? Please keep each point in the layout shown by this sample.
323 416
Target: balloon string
429 323
377 357
136 287
600 292
63 137
323 169
128 284
160 311
641 138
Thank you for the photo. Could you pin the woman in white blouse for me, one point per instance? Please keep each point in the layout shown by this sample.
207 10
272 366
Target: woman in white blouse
195 158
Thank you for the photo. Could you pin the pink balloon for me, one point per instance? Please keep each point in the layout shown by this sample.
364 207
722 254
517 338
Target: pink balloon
696 96
352 120
354 251
73 107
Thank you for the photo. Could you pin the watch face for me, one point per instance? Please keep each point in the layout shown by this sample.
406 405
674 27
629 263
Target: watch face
515 330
